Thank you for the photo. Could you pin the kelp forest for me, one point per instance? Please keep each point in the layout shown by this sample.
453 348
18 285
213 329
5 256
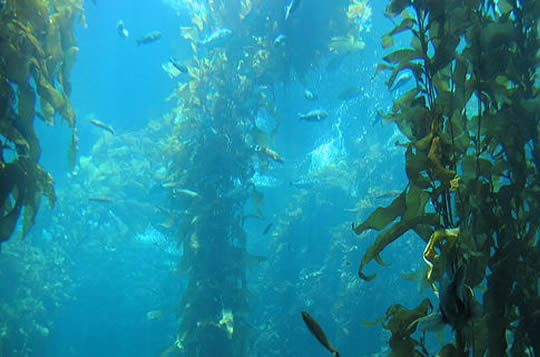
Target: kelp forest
472 162
222 227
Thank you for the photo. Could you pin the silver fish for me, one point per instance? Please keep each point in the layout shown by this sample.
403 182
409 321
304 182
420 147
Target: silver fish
149 38
314 115
290 8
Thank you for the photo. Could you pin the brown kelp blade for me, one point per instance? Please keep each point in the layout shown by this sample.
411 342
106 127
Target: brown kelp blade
318 332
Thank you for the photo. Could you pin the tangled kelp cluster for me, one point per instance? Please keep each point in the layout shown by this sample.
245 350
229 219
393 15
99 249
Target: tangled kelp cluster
473 163
241 49
37 51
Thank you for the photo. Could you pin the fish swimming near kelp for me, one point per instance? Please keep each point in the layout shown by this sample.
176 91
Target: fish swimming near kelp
217 38
317 331
102 125
179 66
457 305
149 38
314 115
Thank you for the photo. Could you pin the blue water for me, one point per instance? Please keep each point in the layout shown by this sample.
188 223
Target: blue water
115 284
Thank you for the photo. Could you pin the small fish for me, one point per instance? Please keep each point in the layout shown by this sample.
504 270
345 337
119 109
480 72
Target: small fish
186 192
350 93
267 228
280 39
303 183
149 38
216 39
290 8
179 66
121 29
101 199
389 194
314 115
401 80
318 332
274 155
102 125
309 95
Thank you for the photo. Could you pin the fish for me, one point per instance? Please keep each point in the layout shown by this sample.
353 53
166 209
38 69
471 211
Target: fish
457 305
149 38
279 40
350 93
314 115
303 183
400 81
274 155
388 194
187 192
309 95
291 7
101 199
267 228
217 38
121 29
179 66
102 125
456 301
318 332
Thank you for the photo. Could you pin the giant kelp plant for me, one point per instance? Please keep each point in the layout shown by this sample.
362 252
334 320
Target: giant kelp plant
37 52
472 160
223 130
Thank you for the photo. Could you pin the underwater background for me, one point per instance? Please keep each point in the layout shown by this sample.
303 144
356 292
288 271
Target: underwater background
204 194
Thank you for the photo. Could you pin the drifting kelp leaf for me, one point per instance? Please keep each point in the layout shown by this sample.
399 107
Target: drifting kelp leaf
387 41
401 320
391 234
406 24
404 55
415 168
435 157
416 200
383 216
396 7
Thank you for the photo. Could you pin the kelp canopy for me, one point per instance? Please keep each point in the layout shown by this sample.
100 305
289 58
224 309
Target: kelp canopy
37 52
472 161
